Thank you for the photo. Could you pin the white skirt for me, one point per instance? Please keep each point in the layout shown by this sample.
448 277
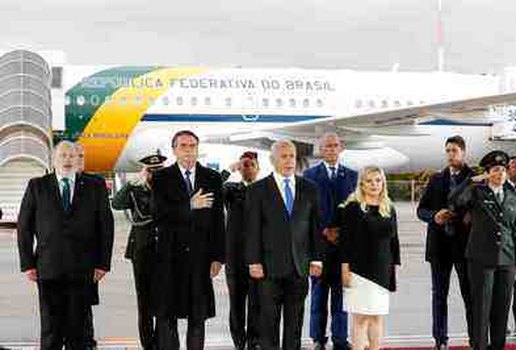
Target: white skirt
365 297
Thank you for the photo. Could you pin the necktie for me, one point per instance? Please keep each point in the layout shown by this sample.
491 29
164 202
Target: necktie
333 173
188 182
65 196
499 197
289 197
453 181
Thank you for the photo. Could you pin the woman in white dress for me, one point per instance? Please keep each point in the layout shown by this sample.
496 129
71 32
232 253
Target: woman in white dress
369 248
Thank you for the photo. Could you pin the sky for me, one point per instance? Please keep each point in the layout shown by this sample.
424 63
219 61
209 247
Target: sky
478 35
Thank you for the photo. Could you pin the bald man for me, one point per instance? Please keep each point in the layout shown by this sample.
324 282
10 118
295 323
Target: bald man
69 217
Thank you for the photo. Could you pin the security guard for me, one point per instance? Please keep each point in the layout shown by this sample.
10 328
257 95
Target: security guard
135 197
491 248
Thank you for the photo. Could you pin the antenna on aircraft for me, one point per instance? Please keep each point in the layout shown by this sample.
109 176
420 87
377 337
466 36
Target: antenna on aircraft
439 37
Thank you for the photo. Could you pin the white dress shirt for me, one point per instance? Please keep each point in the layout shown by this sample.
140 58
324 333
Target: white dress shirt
71 178
328 170
280 182
192 175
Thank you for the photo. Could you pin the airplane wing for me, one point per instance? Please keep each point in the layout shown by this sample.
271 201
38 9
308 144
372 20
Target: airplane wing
365 130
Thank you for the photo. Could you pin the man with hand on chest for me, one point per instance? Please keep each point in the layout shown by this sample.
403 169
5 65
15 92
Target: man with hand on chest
189 215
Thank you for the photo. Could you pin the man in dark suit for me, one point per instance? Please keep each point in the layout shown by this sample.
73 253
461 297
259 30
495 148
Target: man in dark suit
335 183
490 249
69 216
135 196
89 330
241 286
447 235
190 218
283 242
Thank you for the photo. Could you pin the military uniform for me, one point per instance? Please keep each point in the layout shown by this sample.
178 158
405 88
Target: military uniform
142 249
491 254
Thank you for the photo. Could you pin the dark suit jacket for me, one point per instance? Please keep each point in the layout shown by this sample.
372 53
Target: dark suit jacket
188 241
234 199
440 245
490 221
67 243
331 194
282 245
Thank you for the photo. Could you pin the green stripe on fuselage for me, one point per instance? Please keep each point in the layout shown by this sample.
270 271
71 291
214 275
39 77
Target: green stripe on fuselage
94 90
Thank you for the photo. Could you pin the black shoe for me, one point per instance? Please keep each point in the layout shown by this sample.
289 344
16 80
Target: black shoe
91 344
346 346
441 346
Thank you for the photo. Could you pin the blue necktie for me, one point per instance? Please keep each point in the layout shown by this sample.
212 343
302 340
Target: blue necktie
333 173
188 182
289 197
65 196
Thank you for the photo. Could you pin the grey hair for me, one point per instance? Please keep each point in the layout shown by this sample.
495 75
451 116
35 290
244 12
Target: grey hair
60 144
327 135
277 145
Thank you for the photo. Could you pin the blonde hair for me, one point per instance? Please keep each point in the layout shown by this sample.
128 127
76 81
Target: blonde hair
358 196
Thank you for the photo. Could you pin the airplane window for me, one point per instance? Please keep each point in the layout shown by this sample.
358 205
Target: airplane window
306 103
319 102
385 104
193 101
421 102
95 100
265 102
410 103
292 102
179 101
397 103
137 100
358 104
123 101
279 102
371 103
228 101
207 101
151 101
68 100
81 100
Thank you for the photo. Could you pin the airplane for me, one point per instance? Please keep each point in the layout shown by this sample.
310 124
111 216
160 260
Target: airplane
397 120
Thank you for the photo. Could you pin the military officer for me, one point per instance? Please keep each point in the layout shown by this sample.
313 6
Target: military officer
490 249
242 289
135 197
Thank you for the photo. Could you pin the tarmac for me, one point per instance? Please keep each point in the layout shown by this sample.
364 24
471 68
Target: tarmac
408 323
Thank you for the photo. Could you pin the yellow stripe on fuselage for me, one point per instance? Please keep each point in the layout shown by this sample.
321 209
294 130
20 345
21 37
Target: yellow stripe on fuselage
106 134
